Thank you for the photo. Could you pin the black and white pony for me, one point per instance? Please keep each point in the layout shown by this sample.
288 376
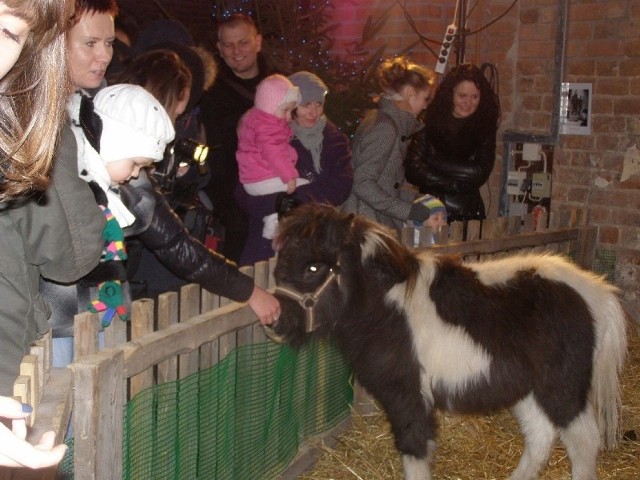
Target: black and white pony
532 333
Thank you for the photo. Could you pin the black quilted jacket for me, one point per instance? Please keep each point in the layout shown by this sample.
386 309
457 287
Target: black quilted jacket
452 159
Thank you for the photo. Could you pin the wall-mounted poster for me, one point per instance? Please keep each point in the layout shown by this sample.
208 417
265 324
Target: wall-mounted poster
575 109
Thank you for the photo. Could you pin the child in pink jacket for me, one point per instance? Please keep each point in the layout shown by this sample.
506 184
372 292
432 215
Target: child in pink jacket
266 160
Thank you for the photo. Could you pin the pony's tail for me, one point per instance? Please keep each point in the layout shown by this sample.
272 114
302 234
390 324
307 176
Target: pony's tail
608 360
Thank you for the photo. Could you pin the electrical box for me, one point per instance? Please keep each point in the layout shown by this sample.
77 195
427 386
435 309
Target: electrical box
531 152
541 185
515 182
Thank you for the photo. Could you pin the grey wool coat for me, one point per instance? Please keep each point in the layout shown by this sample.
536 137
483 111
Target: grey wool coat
379 148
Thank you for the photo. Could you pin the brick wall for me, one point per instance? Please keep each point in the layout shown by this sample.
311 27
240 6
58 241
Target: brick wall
602 48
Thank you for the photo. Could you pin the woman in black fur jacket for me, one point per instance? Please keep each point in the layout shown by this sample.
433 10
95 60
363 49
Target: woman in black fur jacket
454 154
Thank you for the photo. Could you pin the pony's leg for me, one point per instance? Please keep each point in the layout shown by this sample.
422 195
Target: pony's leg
582 440
539 435
418 468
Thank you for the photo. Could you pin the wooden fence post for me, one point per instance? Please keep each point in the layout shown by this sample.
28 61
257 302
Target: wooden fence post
98 414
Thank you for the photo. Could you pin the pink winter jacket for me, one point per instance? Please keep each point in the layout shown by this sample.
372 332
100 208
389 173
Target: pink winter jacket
263 148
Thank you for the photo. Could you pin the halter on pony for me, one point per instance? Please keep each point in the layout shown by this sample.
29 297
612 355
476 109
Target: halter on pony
306 300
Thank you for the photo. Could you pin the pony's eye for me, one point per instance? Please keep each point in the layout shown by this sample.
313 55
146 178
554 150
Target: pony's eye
313 269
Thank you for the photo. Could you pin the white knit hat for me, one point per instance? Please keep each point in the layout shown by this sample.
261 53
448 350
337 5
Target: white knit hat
274 91
134 123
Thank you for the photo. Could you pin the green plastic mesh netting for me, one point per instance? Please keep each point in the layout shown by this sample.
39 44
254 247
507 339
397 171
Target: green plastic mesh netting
605 263
244 418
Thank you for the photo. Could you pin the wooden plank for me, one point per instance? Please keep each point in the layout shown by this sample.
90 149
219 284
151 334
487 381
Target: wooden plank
29 368
527 223
22 391
54 410
441 235
542 222
141 324
244 336
585 247
98 399
473 230
209 303
116 333
227 342
189 308
261 275
514 224
507 243
38 351
168 315
47 341
408 237
183 337
456 231
85 334
273 261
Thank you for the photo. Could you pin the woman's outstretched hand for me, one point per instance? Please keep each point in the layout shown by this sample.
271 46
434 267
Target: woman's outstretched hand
15 451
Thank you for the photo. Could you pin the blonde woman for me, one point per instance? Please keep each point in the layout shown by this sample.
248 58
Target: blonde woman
381 141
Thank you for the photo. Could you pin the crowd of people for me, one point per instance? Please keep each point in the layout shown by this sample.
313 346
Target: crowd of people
85 223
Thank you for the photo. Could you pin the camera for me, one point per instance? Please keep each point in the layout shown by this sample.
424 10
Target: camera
181 153
188 150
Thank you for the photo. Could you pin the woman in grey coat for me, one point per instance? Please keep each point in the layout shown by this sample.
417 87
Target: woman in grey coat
380 145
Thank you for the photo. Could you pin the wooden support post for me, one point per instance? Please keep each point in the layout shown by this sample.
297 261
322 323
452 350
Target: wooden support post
141 324
98 415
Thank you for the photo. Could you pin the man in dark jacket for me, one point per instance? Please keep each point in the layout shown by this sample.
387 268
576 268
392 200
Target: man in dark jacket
232 94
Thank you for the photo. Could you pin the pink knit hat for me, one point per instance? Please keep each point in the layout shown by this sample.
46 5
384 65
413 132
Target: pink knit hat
274 91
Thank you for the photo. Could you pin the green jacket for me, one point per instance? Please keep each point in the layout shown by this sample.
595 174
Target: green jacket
57 235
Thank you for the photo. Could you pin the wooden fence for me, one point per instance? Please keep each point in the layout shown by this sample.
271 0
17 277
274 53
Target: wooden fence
197 329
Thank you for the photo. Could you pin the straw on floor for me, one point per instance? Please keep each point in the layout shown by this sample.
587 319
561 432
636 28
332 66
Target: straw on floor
479 448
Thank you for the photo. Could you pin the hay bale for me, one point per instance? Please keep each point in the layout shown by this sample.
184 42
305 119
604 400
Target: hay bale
472 447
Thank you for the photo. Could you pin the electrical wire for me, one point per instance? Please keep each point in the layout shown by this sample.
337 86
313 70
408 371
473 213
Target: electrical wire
492 76
513 4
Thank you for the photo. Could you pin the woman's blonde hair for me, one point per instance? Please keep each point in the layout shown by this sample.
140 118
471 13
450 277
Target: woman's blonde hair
396 72
32 98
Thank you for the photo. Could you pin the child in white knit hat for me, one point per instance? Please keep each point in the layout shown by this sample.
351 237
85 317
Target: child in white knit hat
266 160
133 132
130 131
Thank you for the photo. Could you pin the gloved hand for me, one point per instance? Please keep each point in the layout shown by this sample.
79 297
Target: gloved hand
419 212
109 301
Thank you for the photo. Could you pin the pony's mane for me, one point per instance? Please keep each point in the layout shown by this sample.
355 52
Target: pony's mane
380 247
331 230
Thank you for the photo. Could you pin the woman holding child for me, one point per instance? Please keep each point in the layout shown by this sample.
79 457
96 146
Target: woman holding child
323 160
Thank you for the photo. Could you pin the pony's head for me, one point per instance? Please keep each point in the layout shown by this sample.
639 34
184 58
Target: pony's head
327 260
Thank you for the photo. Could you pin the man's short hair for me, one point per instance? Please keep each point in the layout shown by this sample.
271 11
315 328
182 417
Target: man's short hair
234 20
